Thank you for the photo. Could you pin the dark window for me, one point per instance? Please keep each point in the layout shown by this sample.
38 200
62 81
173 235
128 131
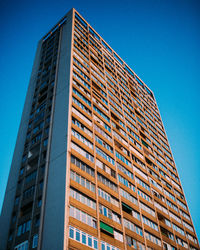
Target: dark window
41 185
39 202
31 177
37 221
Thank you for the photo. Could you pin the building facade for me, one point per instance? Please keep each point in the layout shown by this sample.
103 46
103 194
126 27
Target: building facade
92 166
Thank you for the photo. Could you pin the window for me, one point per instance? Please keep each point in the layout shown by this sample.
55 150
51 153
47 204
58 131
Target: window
152 238
178 229
83 107
45 142
122 158
81 126
37 221
83 237
141 173
31 177
192 238
142 183
154 182
99 104
28 192
22 246
108 197
101 114
80 164
38 127
82 152
102 124
115 104
143 195
82 138
81 73
142 165
147 209
150 223
181 242
126 182
39 202
10 237
82 198
109 213
41 185
181 204
81 116
81 97
21 171
83 217
134 141
170 204
131 226
80 59
35 241
119 137
118 235
104 144
169 195
130 210
134 244
161 207
107 246
36 139
80 20
124 170
105 156
116 112
23 228
82 181
128 196
107 182
188 226
107 169
16 201
131 242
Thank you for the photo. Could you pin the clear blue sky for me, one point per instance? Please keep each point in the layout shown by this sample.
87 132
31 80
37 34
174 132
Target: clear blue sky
159 39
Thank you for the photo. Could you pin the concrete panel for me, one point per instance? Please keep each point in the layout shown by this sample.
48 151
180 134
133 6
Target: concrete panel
53 225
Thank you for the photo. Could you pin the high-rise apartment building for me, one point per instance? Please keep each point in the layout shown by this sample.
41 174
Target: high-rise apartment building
92 166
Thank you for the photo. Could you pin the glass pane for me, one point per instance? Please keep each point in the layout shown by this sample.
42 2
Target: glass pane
71 233
77 235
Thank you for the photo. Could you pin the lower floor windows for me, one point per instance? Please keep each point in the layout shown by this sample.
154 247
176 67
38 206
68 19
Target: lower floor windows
83 237
105 246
